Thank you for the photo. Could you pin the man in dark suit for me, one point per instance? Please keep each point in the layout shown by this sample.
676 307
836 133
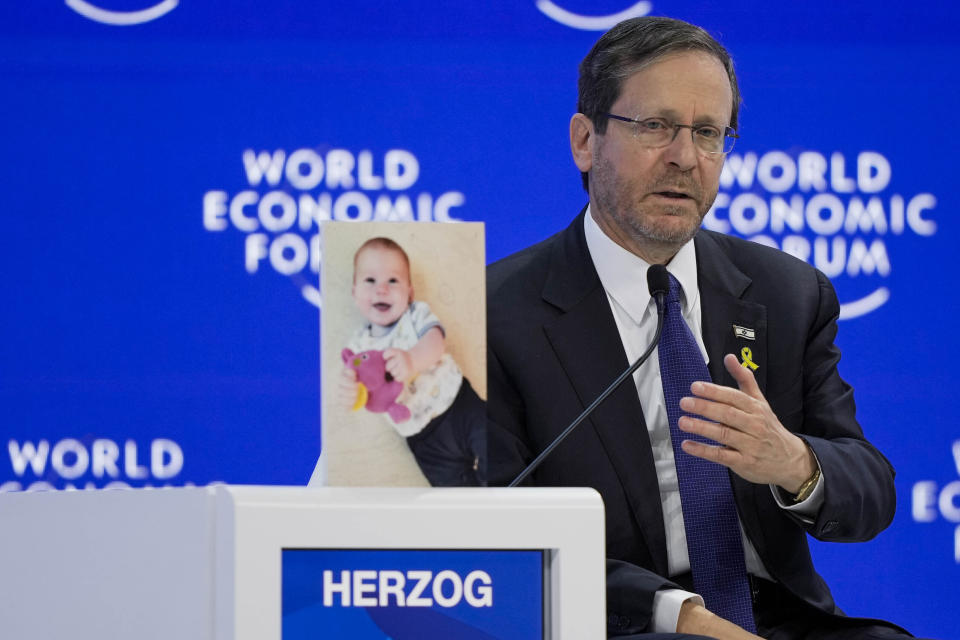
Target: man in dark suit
658 102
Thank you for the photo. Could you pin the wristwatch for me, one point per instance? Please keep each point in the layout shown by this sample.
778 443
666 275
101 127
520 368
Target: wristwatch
807 487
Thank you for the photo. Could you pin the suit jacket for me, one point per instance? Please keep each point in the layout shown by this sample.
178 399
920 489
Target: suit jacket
554 347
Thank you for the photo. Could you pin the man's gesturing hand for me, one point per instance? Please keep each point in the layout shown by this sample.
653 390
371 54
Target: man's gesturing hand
753 443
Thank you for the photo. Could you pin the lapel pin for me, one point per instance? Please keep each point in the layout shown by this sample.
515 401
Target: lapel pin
747 356
744 332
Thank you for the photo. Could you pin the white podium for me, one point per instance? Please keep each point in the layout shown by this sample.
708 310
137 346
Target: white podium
206 563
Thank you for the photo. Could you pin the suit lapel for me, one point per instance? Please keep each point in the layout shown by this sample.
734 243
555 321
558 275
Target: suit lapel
588 346
733 325
730 323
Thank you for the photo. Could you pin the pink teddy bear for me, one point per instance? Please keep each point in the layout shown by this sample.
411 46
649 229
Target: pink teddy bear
376 389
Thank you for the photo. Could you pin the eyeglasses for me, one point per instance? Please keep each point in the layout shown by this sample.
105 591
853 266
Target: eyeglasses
659 132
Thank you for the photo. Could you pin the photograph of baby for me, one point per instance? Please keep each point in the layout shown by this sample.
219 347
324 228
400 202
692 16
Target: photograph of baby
403 355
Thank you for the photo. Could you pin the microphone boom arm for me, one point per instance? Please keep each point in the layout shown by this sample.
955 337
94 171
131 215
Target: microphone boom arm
603 396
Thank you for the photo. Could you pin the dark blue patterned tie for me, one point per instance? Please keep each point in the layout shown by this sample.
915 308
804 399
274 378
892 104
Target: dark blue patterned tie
709 512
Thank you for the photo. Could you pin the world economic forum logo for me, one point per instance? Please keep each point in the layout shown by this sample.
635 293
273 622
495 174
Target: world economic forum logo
289 194
591 23
934 502
122 18
840 212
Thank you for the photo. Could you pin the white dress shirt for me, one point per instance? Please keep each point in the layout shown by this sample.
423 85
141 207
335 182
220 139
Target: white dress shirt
624 278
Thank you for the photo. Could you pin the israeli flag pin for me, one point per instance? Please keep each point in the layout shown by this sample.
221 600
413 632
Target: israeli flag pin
744 332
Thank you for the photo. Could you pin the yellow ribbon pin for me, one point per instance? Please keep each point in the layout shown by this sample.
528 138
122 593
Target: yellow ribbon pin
746 354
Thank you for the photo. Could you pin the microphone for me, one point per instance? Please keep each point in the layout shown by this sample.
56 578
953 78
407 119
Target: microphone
658 283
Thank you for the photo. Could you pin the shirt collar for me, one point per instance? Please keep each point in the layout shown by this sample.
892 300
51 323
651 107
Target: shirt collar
624 275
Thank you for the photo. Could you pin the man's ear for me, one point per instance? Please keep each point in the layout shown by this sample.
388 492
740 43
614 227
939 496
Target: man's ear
581 141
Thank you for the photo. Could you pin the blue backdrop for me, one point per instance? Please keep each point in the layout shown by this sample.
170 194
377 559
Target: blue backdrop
166 163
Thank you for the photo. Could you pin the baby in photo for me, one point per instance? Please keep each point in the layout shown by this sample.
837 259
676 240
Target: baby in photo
396 363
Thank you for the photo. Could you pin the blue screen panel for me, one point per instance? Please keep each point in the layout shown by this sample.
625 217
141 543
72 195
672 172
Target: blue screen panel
412 594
